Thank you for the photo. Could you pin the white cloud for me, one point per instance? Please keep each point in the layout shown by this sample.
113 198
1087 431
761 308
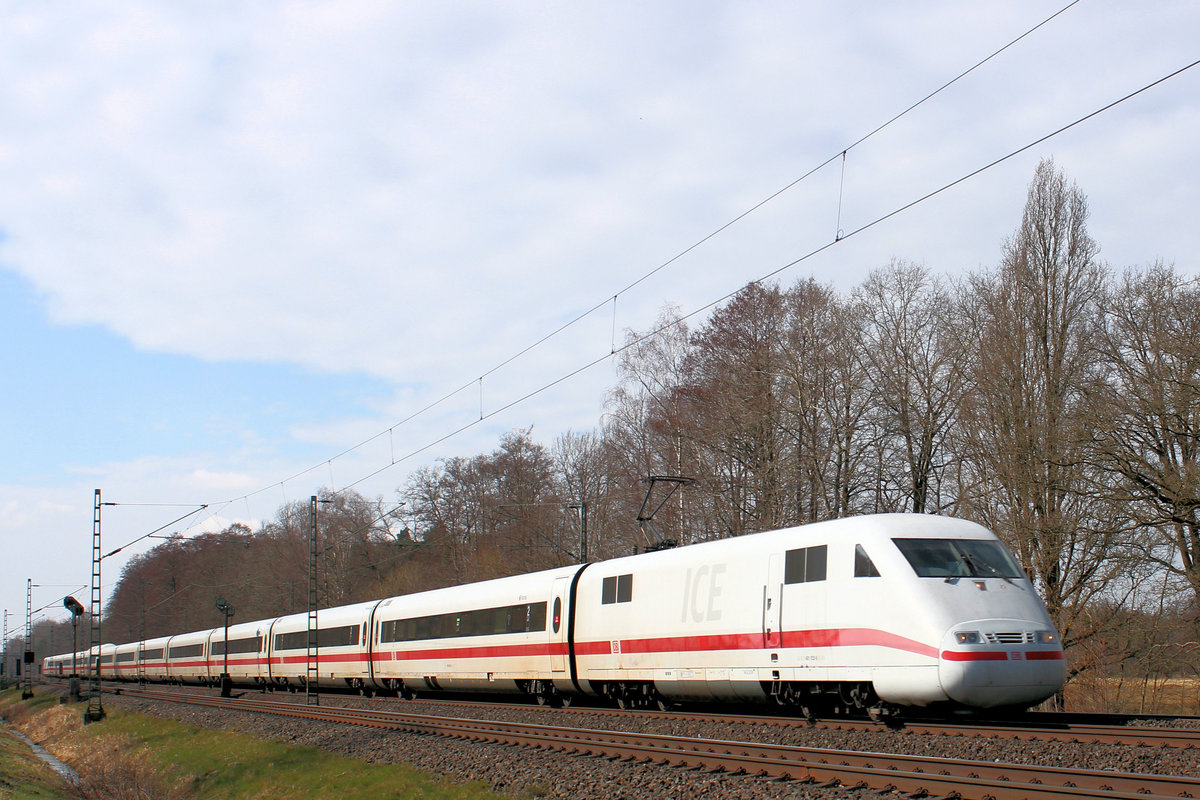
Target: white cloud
417 191
226 482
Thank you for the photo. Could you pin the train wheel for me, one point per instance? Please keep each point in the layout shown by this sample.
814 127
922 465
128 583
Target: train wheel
548 695
887 714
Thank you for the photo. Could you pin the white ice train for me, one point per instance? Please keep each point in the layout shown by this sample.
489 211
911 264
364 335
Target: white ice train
870 612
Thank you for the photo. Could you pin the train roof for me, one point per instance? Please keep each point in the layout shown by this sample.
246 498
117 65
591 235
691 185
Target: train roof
861 528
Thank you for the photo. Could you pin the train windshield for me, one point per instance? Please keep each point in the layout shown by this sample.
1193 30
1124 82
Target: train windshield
959 558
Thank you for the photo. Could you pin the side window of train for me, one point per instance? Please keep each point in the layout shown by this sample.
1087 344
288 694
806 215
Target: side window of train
805 565
864 567
617 589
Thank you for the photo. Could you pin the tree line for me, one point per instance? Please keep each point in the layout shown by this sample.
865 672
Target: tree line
1048 397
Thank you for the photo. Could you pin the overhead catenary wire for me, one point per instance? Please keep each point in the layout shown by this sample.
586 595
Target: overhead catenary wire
841 153
160 528
778 270
773 273
59 600
839 237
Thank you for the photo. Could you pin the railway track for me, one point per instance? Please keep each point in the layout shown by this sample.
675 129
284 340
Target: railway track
905 773
1058 729
1128 736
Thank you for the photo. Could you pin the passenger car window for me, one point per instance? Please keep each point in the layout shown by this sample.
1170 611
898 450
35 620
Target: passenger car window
617 589
805 565
523 618
624 588
959 558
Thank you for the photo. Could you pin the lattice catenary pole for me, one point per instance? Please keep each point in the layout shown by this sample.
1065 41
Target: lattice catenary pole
95 709
311 691
27 683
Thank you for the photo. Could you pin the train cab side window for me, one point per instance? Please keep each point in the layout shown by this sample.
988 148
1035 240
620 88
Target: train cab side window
617 589
864 567
805 565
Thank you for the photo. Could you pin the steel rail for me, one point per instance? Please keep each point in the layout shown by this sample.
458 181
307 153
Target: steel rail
1129 736
1031 730
979 779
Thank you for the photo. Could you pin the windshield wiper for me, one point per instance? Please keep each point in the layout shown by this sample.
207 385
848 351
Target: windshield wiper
978 565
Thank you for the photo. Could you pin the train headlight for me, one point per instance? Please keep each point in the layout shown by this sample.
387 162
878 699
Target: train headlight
967 637
1046 637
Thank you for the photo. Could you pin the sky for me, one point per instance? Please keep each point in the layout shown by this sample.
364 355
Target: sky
242 245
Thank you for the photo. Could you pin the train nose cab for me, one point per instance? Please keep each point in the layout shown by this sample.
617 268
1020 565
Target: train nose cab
992 663
998 646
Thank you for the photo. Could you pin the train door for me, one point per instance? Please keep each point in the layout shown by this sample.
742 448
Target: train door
558 625
269 651
371 631
772 598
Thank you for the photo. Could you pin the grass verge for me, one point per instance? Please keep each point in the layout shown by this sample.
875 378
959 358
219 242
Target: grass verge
173 761
24 776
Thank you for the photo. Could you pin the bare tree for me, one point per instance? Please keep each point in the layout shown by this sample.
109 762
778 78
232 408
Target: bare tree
733 412
825 398
644 424
529 527
1031 408
584 467
915 356
448 507
1152 439
264 573
493 514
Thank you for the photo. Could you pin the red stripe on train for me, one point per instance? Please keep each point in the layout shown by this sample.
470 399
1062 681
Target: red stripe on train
845 637
831 637
1004 655
801 639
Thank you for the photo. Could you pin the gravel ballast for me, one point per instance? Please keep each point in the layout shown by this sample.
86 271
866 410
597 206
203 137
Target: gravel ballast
526 771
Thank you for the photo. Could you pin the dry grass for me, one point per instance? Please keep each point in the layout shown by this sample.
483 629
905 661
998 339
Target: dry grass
51 724
109 767
118 768
1135 695
134 757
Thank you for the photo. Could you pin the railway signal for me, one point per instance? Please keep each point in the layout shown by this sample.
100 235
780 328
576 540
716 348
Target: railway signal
76 609
226 683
